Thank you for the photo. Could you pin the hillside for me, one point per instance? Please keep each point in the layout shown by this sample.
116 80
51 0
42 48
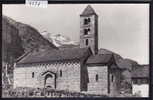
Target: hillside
17 39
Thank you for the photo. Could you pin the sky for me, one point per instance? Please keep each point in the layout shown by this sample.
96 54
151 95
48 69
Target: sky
122 28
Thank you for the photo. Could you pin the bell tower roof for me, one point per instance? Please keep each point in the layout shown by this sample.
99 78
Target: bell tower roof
88 11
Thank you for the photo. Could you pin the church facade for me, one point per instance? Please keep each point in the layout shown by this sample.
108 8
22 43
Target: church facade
80 69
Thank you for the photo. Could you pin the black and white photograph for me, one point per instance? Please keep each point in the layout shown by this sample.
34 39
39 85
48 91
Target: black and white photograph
75 50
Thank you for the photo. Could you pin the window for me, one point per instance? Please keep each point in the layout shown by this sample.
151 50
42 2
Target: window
86 42
96 77
33 74
112 78
86 21
60 73
86 31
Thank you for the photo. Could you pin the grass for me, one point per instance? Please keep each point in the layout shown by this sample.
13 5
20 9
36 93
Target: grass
32 92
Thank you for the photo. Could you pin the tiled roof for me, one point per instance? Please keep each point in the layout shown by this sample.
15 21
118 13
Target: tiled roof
55 55
99 59
88 11
141 71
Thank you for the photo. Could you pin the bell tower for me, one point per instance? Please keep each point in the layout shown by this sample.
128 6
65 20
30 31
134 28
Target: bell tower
89 29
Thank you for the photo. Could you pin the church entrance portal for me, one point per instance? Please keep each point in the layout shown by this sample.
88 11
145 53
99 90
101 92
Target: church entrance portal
49 80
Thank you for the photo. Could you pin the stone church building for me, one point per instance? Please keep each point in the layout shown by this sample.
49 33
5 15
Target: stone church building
80 69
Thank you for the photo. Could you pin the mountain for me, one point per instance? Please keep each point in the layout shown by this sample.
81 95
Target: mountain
127 64
11 42
59 40
19 38
123 63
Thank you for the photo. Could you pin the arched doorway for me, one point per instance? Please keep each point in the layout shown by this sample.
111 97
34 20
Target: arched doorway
49 80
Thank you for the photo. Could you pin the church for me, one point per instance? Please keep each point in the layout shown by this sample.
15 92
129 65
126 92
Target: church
80 69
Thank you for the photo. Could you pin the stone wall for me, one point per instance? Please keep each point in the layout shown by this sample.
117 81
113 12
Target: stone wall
101 85
70 79
114 79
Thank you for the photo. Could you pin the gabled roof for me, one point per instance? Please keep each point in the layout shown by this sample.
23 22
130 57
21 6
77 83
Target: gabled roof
88 11
141 71
54 55
99 59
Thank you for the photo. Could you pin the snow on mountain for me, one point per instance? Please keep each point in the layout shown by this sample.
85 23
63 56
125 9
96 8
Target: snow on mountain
58 40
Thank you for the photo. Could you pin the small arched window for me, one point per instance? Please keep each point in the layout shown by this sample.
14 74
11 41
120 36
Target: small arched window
112 78
60 73
88 20
96 77
85 21
87 42
33 74
85 31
